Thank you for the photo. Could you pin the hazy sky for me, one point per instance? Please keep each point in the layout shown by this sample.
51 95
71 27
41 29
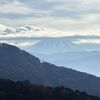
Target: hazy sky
78 16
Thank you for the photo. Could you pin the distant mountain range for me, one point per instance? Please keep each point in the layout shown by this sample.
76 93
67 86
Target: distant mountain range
64 51
17 64
63 44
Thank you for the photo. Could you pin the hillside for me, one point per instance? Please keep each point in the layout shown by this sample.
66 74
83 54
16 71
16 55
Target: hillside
10 90
16 64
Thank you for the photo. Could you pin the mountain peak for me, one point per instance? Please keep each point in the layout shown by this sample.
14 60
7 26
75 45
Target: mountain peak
6 45
11 50
7 49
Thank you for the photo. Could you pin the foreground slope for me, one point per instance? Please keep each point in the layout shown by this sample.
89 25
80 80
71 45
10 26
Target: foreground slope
17 64
10 90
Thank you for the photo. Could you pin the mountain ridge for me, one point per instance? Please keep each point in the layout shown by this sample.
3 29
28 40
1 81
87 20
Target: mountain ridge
16 64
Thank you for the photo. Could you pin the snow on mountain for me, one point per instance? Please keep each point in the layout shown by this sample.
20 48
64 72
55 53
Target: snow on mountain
60 44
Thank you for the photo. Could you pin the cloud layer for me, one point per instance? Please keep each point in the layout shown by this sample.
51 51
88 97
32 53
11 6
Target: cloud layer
71 16
28 35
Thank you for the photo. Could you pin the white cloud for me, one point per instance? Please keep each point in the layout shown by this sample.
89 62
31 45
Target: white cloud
23 44
20 43
29 31
87 41
14 7
81 17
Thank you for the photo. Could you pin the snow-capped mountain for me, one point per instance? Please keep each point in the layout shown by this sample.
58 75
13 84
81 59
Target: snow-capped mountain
49 45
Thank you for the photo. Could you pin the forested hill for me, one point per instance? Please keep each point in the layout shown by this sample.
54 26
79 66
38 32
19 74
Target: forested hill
19 65
10 90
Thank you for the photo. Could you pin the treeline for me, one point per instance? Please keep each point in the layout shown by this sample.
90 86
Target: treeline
10 90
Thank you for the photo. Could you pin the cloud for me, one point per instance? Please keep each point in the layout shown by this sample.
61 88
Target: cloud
25 36
15 7
87 41
20 44
29 31
18 10
70 16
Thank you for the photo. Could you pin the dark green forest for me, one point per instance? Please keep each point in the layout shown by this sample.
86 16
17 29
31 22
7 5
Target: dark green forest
24 90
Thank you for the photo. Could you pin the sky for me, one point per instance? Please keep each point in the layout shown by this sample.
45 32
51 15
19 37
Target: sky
71 16
50 18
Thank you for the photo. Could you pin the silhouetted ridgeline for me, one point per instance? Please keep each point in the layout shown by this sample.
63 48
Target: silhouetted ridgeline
18 65
10 90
